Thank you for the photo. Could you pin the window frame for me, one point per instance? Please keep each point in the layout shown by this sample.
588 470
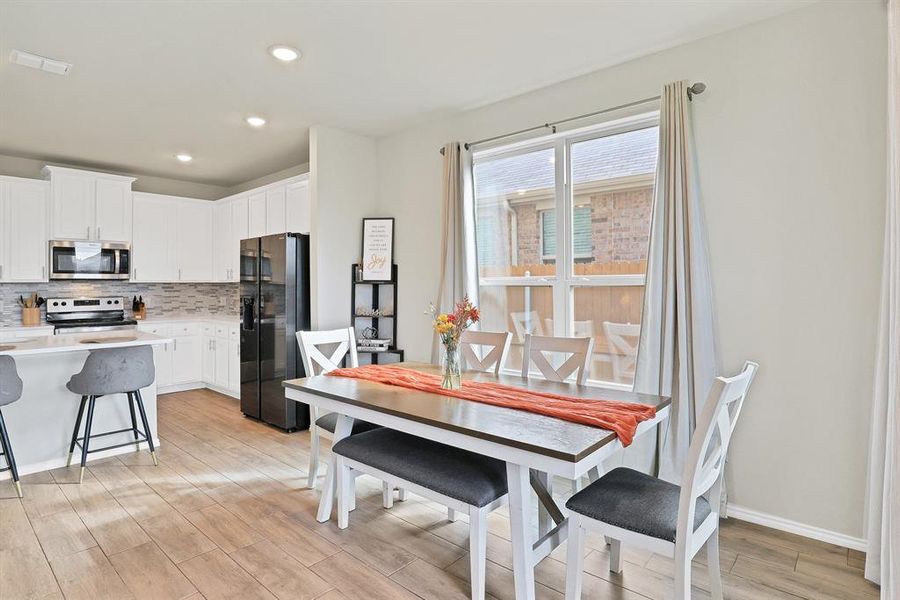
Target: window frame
564 283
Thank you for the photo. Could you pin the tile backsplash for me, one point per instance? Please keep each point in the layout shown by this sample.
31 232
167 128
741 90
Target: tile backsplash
162 299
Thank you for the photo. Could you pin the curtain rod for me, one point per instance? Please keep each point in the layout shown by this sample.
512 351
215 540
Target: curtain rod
693 90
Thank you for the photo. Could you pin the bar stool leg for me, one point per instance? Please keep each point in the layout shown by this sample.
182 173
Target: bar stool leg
87 435
10 459
146 424
75 431
137 443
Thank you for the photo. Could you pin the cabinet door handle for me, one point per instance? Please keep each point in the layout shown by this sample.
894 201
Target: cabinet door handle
98 232
43 270
175 345
135 273
88 232
179 274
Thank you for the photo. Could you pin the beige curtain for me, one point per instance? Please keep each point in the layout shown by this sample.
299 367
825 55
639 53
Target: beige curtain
677 351
458 267
883 505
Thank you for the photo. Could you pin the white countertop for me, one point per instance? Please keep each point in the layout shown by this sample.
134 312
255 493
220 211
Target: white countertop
176 318
78 342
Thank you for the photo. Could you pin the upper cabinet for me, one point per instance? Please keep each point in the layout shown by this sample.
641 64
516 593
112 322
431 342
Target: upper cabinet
297 210
194 240
23 229
86 205
173 239
279 207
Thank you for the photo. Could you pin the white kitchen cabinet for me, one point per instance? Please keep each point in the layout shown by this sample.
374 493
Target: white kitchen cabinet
224 246
297 207
186 359
275 210
209 358
23 229
114 210
162 359
194 240
153 247
240 225
256 226
220 346
234 366
86 205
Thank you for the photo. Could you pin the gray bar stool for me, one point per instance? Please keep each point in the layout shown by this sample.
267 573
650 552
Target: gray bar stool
112 371
10 391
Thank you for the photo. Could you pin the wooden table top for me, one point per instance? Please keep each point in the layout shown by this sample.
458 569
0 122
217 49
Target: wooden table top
516 428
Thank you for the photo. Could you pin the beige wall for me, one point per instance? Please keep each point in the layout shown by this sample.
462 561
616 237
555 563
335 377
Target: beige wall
791 144
341 191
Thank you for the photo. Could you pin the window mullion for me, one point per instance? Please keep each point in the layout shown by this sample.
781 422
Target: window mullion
561 294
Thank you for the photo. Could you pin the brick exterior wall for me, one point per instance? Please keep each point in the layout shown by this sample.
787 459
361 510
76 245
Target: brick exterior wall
620 226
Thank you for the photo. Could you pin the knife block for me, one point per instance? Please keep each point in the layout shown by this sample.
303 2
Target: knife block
31 317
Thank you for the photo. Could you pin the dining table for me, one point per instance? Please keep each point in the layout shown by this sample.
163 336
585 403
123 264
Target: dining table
534 447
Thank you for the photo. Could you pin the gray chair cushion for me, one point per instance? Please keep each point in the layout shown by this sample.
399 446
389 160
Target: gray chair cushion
471 478
114 371
329 423
10 384
632 500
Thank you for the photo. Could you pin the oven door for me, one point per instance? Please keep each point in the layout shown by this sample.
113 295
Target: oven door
89 260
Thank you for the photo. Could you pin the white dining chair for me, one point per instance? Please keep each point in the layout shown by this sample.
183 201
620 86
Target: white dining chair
484 350
630 507
579 350
623 341
575 366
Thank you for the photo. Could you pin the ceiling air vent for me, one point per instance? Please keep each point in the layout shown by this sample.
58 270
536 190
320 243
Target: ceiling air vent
27 59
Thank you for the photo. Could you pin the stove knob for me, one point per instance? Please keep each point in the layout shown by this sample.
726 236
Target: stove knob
56 304
116 302
63 303
109 301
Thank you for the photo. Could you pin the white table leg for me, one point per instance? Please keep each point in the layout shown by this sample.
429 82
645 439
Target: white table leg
326 502
521 521
545 521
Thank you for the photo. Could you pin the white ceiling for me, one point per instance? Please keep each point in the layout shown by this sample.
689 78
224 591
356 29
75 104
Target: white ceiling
151 79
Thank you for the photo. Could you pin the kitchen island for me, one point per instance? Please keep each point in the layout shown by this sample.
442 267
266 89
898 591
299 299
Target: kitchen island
40 423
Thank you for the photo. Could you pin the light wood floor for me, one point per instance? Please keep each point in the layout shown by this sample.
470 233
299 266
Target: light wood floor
226 515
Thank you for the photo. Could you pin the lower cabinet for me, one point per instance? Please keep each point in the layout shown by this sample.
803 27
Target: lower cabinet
201 354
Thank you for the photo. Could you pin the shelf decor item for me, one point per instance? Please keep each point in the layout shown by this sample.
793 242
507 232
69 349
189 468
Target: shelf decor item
373 306
449 327
377 249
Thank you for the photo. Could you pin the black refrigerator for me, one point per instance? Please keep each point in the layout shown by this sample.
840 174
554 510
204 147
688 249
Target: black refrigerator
275 292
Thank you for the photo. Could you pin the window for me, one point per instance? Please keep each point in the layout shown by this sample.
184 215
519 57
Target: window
583 244
563 231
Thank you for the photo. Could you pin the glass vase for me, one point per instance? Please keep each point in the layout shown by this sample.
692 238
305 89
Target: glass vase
451 377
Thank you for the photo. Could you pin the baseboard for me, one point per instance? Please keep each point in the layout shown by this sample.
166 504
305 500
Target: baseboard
817 533
223 391
56 463
180 387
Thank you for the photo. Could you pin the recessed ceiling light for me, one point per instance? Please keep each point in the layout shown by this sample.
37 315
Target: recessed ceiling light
255 121
284 53
185 158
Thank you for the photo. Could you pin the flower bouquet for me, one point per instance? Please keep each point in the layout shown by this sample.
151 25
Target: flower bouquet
449 327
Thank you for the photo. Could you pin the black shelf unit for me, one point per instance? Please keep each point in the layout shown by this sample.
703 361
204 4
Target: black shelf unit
376 322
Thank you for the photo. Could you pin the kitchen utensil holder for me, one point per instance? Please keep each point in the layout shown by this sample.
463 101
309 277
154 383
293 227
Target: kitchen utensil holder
31 317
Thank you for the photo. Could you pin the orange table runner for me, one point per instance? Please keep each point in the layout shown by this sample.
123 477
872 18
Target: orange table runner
619 417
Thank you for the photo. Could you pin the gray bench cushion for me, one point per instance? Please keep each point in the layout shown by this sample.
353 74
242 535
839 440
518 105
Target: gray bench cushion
632 500
471 478
10 384
329 423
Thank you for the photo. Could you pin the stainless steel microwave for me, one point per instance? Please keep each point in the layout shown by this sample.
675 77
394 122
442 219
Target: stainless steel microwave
89 260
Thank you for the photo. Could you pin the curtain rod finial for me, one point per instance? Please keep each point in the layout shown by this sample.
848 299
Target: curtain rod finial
696 89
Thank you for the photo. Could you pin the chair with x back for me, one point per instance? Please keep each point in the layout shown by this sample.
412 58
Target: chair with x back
324 351
579 350
630 507
623 348
484 350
